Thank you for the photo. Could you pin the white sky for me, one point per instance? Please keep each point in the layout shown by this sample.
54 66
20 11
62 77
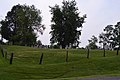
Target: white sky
100 13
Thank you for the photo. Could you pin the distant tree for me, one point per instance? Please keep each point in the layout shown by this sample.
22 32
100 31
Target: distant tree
92 42
66 24
106 37
39 43
20 25
108 34
102 40
111 37
116 35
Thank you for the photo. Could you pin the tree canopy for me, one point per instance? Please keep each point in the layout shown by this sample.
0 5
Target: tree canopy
66 24
111 36
107 36
92 42
21 25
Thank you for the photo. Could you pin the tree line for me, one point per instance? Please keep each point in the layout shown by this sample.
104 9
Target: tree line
108 39
23 22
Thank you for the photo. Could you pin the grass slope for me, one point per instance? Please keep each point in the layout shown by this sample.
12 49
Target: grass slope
26 64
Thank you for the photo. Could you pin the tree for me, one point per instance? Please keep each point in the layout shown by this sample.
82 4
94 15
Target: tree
116 35
39 43
5 31
66 24
108 31
92 42
102 40
20 25
111 37
106 37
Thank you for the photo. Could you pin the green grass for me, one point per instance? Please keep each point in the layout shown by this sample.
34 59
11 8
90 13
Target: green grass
26 64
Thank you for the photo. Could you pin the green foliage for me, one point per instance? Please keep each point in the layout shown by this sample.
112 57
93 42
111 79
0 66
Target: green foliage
20 25
66 24
111 36
39 43
116 34
92 42
107 36
5 31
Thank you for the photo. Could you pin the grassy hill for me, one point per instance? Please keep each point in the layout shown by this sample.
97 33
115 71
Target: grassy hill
26 64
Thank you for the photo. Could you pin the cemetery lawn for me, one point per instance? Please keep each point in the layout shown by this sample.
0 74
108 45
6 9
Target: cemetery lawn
26 64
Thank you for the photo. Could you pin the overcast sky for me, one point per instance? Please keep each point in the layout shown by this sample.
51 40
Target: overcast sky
100 13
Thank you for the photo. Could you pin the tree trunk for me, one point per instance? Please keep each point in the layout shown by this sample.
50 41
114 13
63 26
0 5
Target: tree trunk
88 54
67 55
104 50
117 51
13 42
11 58
63 46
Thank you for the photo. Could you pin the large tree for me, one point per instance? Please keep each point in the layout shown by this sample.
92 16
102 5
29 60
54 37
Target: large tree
20 25
66 24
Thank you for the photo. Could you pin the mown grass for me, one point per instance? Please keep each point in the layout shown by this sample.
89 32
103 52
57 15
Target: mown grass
26 64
